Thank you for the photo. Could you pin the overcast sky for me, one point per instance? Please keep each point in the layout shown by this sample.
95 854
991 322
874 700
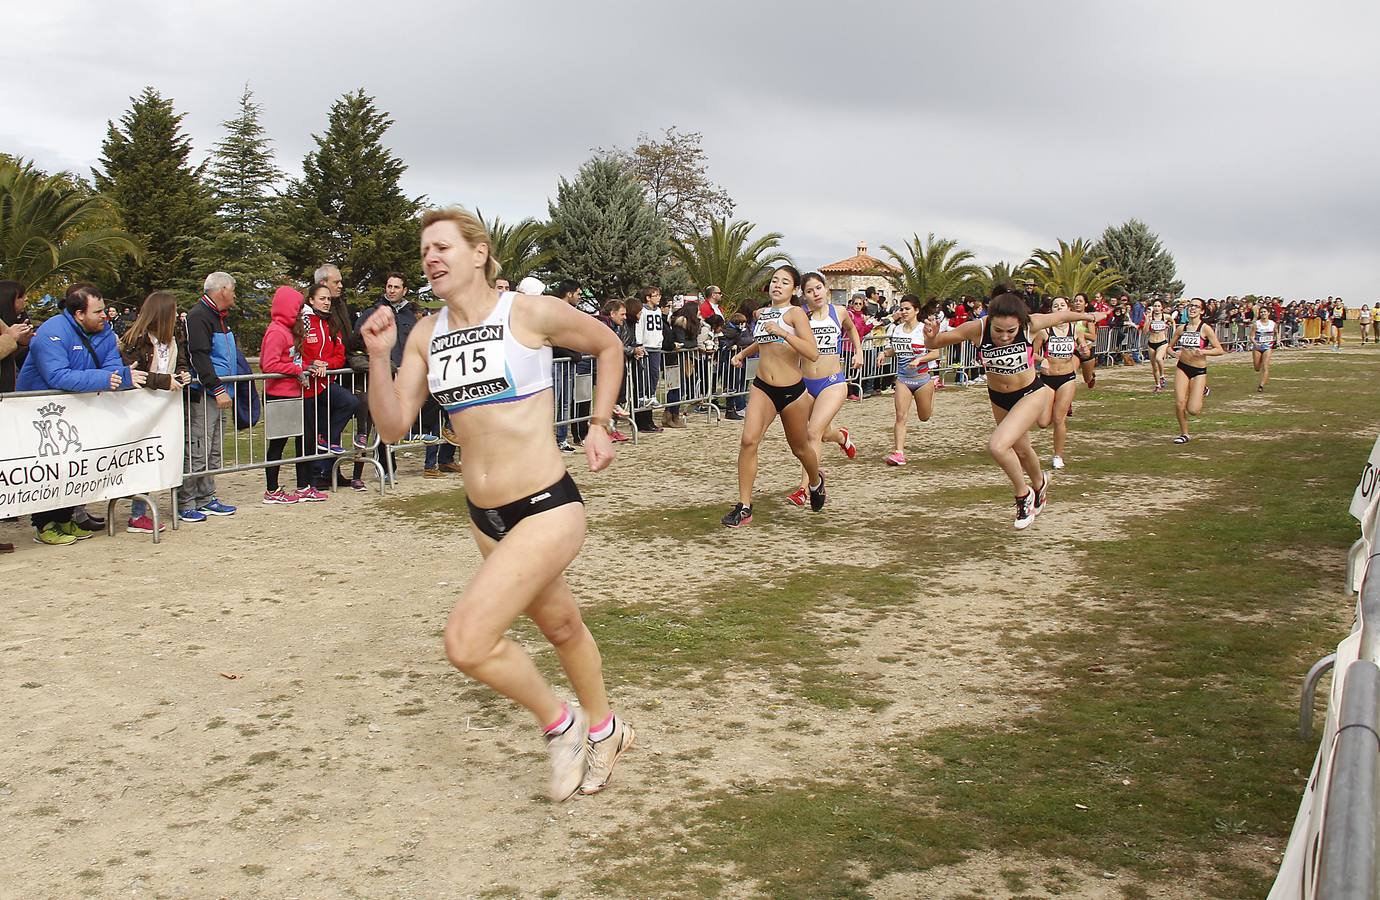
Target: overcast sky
1244 133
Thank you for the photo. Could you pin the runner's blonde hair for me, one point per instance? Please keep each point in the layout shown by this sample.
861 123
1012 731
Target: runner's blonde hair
471 229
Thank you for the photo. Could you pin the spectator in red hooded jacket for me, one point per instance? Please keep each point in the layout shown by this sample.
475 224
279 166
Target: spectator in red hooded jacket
323 348
281 354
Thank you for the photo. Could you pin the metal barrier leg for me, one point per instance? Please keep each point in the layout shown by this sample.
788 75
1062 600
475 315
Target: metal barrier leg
1310 690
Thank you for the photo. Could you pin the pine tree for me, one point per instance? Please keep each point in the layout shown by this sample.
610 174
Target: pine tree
157 193
348 208
242 174
605 234
1146 267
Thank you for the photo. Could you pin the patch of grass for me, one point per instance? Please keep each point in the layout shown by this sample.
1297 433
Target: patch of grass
1172 734
741 627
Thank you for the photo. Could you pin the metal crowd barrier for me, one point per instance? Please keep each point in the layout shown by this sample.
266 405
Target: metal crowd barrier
246 449
1331 852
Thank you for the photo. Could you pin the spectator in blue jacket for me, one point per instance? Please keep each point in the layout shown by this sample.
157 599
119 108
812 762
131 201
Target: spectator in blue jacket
74 351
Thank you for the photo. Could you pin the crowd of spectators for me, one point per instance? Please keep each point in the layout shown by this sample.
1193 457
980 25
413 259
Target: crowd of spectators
676 351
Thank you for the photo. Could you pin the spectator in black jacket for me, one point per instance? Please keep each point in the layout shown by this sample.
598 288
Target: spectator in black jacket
565 373
405 315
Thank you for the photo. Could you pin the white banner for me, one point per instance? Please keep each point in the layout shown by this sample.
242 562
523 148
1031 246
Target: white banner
1369 487
85 448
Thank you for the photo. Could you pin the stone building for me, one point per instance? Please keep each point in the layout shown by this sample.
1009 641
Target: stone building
858 273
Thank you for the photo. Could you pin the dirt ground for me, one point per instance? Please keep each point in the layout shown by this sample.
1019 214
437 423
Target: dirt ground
347 759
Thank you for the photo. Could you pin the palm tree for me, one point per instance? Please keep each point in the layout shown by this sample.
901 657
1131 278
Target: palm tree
936 269
518 248
998 273
51 227
1072 269
724 257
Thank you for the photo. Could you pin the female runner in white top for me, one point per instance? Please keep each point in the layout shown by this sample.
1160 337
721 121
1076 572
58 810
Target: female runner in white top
781 337
914 369
1157 328
1017 394
1193 343
1262 344
491 368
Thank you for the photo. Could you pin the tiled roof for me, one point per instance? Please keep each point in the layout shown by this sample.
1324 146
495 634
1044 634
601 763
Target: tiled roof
861 264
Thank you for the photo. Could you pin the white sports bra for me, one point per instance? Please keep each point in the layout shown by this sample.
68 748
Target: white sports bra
484 363
1060 346
907 345
775 314
1190 340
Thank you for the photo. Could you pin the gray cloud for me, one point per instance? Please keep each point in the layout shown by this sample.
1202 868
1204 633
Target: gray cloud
1237 130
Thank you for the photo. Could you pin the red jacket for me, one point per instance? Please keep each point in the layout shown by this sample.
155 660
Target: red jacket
1103 310
320 343
276 355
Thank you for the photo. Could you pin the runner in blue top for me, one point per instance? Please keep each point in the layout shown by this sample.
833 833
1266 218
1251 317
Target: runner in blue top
826 385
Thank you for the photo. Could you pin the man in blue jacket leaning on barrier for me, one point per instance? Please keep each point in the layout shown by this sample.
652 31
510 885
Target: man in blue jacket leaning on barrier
74 351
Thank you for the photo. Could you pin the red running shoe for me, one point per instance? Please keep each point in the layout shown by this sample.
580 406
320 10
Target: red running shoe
847 444
797 496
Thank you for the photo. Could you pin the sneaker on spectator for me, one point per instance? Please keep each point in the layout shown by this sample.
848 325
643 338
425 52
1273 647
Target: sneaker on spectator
618 437
323 447
279 496
310 494
431 473
654 429
361 441
566 447
619 412
216 508
797 497
144 525
896 458
981 379
53 535
426 437
453 468
88 521
76 531
738 417
357 484
191 516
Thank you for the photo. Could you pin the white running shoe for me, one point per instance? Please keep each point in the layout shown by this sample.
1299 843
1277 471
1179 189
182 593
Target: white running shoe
1025 510
569 757
603 754
1058 462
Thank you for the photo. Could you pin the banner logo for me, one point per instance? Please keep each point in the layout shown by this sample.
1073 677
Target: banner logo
52 428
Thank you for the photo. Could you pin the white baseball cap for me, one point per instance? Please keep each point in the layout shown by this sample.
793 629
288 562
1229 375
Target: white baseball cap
530 285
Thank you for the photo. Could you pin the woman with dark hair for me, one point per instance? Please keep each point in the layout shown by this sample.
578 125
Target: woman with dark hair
914 365
14 326
1156 327
782 337
323 349
1087 349
826 386
1262 344
1194 343
1058 345
151 344
685 335
1016 391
